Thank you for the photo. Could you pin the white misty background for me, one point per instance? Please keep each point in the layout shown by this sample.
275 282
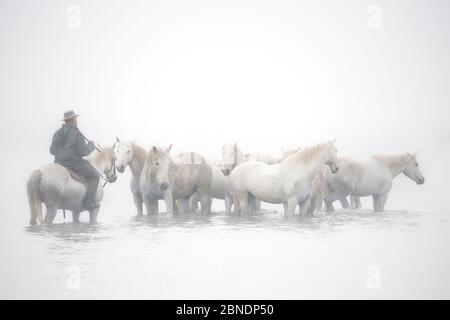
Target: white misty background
196 74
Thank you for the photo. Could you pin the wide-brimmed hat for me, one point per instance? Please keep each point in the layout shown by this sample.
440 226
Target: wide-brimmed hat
69 115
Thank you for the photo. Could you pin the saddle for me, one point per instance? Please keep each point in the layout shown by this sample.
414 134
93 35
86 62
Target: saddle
77 177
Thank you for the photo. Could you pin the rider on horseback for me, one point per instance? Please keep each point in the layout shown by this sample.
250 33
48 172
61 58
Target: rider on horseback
69 148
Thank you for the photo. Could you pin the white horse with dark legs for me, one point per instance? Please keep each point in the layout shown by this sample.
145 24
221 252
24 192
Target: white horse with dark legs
372 177
175 179
54 186
288 182
132 155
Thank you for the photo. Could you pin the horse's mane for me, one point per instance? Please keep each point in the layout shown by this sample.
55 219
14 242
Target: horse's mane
391 160
140 155
99 157
305 155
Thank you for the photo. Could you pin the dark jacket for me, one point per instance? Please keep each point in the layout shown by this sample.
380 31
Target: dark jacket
68 145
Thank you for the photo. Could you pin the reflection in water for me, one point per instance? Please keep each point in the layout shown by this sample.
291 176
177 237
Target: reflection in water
223 256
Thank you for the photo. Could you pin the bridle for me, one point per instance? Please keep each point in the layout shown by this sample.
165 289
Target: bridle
108 172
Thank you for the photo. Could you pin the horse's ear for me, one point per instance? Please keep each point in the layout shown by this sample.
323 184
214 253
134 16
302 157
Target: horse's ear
117 140
154 149
114 145
169 148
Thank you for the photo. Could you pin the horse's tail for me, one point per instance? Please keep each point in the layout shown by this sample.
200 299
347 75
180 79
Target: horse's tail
34 197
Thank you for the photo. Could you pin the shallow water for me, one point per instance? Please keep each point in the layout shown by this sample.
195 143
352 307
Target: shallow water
348 254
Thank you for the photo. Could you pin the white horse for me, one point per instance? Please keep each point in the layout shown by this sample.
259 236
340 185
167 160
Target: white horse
317 191
132 155
372 177
220 189
54 186
232 156
288 182
175 178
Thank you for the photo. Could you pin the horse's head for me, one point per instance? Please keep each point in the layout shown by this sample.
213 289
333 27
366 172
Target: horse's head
331 156
123 154
231 157
158 162
411 168
108 165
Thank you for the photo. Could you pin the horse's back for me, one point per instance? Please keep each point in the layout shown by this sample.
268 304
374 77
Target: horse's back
57 186
192 170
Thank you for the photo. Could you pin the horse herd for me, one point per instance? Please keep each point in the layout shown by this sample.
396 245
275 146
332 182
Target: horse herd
305 177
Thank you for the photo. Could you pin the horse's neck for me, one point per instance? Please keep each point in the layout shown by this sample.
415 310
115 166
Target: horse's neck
310 164
100 160
239 155
394 163
139 157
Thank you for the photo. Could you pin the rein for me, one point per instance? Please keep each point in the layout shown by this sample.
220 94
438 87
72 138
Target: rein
112 168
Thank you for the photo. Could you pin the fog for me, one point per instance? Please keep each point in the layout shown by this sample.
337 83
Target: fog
196 74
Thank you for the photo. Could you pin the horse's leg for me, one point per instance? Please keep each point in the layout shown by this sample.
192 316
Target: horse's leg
291 205
93 215
50 215
138 201
152 207
76 216
252 206
237 205
352 202
319 201
184 206
357 201
242 198
170 205
312 206
205 202
304 207
329 205
148 206
285 206
193 202
344 202
379 201
257 205
228 203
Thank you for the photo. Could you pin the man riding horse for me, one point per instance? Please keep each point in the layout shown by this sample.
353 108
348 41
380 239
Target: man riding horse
69 147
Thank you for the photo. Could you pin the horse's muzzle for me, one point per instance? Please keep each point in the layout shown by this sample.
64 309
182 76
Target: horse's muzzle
163 186
334 169
421 181
121 169
112 179
226 172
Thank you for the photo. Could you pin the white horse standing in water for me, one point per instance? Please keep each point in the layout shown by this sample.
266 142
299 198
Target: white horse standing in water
132 155
220 189
54 186
232 156
372 177
288 182
175 179
318 186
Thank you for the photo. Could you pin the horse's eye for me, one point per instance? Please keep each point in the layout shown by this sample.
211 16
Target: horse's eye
157 163
128 151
